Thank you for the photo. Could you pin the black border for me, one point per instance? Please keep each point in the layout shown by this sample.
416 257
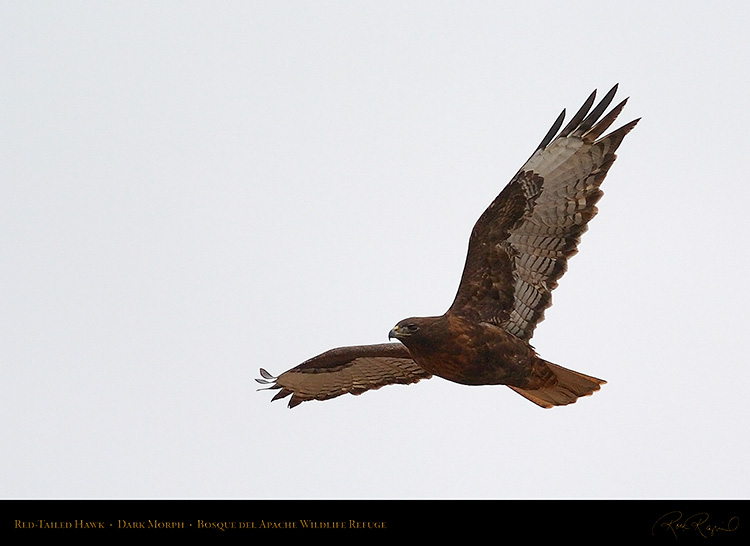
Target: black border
666 521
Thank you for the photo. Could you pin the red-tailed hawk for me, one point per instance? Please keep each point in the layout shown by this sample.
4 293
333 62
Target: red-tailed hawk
518 250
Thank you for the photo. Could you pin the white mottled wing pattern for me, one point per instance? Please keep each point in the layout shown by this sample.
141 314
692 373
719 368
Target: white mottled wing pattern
572 167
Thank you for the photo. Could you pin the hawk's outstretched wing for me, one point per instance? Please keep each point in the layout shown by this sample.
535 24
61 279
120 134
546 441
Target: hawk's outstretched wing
520 246
346 370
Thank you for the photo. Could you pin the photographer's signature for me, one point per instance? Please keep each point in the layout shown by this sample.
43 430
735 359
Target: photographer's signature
675 524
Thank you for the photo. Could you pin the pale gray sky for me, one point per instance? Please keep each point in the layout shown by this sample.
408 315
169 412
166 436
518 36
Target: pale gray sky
190 191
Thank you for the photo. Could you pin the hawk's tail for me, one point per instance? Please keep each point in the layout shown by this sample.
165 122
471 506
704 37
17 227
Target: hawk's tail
567 389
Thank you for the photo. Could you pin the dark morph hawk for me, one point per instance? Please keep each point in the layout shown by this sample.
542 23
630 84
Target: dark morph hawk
518 250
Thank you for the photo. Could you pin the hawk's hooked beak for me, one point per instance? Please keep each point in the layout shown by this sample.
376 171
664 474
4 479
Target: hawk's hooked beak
393 333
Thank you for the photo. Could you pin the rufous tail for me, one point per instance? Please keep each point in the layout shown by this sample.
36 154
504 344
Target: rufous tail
570 386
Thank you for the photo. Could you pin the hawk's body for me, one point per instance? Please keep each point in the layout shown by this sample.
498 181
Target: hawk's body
518 250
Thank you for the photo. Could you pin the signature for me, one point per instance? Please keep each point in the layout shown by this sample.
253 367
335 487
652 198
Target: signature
699 522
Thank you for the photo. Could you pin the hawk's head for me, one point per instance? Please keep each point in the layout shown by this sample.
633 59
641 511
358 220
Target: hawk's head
405 328
417 330
421 335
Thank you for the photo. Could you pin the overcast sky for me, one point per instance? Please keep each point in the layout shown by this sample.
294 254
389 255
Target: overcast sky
192 190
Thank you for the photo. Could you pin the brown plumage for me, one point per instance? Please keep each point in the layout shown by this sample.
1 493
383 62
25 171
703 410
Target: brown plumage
518 250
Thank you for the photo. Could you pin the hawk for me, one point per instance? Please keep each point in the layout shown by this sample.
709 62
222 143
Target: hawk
518 250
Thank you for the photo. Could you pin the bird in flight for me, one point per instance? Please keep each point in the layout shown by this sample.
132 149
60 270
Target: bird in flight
518 250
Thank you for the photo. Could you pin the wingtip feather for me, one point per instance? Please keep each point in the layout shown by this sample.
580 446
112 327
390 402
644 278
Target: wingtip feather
552 132
579 116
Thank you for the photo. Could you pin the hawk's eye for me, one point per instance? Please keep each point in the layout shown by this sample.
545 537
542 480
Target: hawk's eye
411 328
